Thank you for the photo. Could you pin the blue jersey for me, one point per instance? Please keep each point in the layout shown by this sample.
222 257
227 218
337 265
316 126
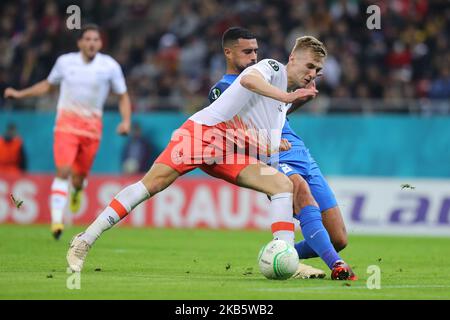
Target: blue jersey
291 136
221 86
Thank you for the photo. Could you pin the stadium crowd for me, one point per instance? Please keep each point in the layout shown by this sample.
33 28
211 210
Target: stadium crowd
170 51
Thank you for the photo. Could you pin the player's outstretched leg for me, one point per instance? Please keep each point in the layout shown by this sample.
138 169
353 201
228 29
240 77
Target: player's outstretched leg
58 200
315 235
268 180
158 178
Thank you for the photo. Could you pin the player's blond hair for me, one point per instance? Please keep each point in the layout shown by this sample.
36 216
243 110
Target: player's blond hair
309 42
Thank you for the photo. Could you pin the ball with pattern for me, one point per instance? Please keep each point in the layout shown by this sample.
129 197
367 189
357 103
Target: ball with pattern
278 260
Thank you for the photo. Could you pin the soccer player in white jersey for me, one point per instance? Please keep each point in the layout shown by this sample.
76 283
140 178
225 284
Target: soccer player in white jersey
240 49
256 104
85 79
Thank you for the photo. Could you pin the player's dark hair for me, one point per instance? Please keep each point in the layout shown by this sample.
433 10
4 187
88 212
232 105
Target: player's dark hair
88 27
234 33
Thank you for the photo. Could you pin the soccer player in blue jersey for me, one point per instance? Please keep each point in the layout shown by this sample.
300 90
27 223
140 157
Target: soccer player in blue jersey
314 203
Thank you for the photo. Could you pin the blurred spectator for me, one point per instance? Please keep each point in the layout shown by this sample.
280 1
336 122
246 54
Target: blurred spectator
12 155
137 154
440 90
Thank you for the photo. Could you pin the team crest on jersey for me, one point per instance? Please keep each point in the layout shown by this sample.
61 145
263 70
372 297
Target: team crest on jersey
215 93
274 65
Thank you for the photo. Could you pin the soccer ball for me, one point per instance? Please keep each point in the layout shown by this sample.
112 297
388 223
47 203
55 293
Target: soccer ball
278 260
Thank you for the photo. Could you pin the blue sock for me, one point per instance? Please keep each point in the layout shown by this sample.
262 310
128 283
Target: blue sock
304 250
316 237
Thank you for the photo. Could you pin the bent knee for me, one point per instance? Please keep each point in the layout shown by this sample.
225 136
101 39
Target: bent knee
282 184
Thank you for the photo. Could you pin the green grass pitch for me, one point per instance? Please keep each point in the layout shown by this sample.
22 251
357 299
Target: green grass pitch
129 263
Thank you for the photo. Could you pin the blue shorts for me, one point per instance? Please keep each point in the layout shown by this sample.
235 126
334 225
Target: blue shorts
299 161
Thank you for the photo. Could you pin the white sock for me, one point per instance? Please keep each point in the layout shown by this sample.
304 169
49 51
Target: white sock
282 220
125 201
58 199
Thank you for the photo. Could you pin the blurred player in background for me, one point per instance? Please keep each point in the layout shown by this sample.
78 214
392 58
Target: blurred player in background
85 79
258 99
311 190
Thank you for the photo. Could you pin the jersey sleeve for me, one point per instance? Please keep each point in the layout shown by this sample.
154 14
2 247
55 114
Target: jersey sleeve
56 74
269 68
118 80
216 91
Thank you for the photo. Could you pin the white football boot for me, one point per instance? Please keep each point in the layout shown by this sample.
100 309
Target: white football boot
78 250
305 271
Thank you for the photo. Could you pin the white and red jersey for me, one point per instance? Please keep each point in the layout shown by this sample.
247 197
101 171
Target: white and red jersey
240 108
84 87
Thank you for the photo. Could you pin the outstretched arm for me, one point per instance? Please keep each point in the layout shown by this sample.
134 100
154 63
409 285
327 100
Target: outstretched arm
125 111
36 90
254 81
